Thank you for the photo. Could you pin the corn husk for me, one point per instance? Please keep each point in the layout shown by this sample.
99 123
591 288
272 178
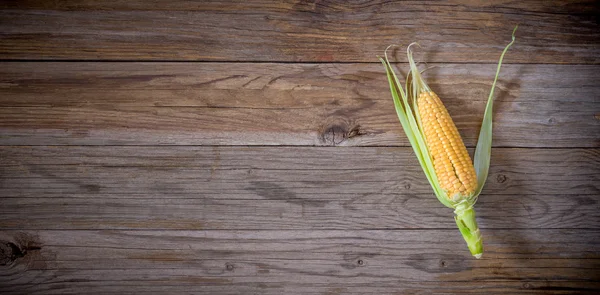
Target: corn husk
408 114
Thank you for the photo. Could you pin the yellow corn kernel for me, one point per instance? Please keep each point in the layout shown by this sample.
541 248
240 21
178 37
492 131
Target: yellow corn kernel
451 161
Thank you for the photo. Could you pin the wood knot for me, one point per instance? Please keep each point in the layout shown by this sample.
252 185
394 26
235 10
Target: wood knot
9 252
441 264
334 135
337 132
501 178
360 262
355 131
229 266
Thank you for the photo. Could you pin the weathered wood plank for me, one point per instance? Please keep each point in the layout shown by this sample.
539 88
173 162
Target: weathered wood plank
282 188
201 211
283 104
299 262
556 287
455 31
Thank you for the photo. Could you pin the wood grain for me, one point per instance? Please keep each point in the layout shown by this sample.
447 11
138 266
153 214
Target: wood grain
282 188
284 104
298 31
299 262
251 147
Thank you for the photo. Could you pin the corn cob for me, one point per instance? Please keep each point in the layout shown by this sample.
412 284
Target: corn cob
451 160
456 181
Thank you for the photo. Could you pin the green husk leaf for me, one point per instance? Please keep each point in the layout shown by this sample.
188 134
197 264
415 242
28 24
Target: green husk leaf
413 132
483 150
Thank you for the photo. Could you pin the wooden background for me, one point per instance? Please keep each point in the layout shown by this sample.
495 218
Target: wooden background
216 147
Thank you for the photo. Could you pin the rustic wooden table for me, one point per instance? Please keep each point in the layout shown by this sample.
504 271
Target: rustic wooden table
252 148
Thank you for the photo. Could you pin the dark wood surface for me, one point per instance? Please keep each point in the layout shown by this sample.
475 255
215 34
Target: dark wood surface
302 262
270 188
87 103
251 147
300 31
